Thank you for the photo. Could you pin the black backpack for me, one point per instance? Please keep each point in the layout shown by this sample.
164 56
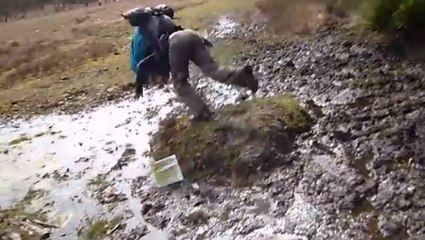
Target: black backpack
163 9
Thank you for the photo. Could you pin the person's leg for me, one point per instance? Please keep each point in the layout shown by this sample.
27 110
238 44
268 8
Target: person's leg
142 80
161 72
242 77
179 53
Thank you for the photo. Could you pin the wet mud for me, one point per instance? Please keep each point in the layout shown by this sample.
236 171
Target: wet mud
355 175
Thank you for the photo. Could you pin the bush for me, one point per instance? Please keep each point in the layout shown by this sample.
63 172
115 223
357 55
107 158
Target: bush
395 16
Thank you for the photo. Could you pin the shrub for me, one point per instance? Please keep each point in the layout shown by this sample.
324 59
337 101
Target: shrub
395 16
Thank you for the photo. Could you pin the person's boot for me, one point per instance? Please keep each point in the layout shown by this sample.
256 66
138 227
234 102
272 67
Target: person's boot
243 77
202 115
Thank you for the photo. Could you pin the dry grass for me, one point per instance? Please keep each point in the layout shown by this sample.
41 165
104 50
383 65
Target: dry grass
38 47
91 83
303 16
43 60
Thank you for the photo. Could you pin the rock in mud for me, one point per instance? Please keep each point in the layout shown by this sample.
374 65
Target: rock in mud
111 196
137 233
127 156
241 139
197 216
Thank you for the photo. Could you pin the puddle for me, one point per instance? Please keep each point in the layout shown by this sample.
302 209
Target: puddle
219 94
88 144
83 147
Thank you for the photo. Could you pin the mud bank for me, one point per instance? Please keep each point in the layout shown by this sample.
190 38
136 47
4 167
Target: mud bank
356 175
363 161
240 140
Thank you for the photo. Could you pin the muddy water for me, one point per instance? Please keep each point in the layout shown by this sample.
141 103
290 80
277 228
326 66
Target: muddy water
60 154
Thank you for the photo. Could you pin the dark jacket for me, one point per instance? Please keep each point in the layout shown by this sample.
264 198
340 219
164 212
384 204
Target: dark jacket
156 32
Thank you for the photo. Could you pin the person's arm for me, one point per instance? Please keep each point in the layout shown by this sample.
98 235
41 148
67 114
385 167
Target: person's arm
143 72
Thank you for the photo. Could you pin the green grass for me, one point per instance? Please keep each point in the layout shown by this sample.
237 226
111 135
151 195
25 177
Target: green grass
9 217
393 16
99 183
100 228
19 140
296 116
199 146
32 195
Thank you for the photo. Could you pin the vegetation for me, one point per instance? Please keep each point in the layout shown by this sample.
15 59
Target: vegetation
19 140
9 8
224 145
32 195
100 228
405 17
99 183
12 219
395 16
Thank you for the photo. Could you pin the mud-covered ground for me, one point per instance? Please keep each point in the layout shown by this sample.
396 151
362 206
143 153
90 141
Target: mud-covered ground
74 172
356 175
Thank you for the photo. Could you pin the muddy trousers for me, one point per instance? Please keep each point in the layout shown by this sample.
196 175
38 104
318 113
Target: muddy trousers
187 45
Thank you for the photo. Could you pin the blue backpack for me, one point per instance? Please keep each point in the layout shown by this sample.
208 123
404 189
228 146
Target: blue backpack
138 49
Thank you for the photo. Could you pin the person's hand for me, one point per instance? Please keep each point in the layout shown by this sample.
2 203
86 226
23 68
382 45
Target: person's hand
163 43
207 43
137 96
139 92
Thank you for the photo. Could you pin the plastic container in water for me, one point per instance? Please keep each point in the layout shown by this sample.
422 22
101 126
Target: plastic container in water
167 171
